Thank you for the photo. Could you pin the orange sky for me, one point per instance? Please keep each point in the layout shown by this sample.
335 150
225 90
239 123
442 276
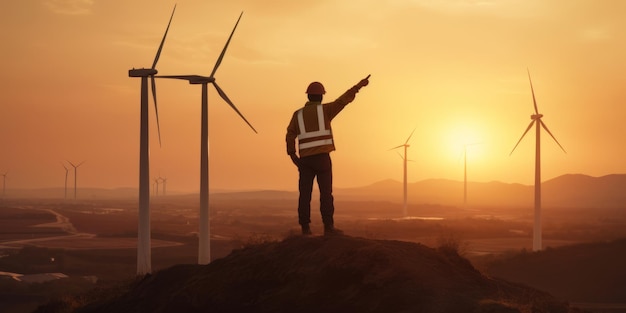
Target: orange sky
453 70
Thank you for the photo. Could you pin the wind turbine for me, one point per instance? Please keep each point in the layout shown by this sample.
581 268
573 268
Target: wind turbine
204 253
144 262
405 145
155 185
75 174
66 171
465 171
164 181
538 123
4 183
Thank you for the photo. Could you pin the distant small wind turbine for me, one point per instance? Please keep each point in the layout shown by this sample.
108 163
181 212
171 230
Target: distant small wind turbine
465 171
164 181
405 145
4 183
66 172
155 189
536 120
75 174
144 261
204 253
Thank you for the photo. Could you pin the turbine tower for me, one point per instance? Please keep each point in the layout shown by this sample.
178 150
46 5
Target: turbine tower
538 123
204 250
144 262
405 145
75 174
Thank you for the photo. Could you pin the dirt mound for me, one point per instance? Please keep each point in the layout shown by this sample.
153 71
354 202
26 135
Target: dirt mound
590 272
329 274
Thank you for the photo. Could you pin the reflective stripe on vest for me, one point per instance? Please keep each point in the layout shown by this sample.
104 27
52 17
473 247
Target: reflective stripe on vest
321 132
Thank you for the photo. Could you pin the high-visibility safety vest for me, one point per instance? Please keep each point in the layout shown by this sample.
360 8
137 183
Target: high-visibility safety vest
310 126
316 140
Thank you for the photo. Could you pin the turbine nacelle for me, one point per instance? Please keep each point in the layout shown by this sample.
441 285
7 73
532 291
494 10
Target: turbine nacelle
536 116
201 80
142 72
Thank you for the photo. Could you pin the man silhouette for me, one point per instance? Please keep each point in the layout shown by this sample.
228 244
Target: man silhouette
310 125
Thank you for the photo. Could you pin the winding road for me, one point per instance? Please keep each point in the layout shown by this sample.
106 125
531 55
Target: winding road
75 239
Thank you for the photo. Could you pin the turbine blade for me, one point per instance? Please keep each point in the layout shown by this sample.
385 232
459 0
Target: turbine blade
400 146
219 60
525 132
158 54
407 140
400 155
549 132
156 108
183 77
225 97
533 92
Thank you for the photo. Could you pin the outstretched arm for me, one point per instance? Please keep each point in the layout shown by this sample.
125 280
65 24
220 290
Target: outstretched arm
336 106
362 83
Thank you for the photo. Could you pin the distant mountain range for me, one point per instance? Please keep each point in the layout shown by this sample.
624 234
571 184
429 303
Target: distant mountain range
570 190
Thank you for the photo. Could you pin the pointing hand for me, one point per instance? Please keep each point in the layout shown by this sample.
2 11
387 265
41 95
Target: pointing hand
364 82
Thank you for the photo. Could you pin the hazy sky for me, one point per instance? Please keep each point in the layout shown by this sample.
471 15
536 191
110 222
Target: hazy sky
453 70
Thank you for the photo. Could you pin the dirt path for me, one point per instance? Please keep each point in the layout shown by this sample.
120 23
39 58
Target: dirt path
62 222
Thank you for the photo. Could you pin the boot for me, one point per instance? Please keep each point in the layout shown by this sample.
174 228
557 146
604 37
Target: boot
332 231
306 230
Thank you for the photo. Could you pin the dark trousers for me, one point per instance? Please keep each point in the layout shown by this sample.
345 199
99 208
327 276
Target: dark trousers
320 166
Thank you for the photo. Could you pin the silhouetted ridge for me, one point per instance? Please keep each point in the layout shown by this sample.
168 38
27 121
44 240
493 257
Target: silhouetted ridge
336 274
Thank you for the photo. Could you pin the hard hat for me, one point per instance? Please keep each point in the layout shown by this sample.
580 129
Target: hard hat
315 88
